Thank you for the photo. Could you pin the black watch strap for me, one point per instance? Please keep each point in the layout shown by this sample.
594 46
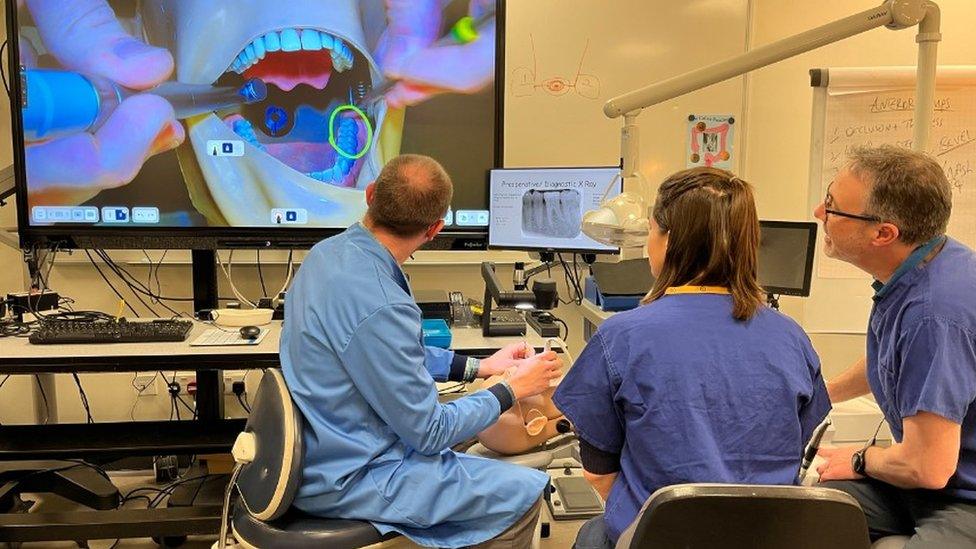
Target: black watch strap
859 461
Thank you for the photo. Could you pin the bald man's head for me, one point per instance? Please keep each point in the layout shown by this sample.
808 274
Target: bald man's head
412 193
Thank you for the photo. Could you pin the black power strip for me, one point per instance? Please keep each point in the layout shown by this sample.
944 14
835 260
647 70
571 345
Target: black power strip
543 323
21 303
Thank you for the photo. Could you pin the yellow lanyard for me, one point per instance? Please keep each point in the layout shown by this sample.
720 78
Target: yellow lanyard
676 290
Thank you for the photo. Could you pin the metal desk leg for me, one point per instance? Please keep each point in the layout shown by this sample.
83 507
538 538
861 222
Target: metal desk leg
210 395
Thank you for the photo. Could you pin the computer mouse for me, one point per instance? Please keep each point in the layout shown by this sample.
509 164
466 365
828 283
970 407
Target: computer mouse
250 332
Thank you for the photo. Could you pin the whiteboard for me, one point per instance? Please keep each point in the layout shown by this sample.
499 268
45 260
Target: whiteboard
874 106
565 58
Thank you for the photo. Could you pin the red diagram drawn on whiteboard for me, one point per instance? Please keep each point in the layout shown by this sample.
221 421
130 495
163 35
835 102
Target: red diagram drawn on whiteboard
526 81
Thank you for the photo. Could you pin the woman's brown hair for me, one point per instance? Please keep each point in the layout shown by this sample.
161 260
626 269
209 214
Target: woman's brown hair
713 236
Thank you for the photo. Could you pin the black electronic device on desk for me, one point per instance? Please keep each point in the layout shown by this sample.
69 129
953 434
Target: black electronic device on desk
619 286
121 331
433 304
517 307
507 319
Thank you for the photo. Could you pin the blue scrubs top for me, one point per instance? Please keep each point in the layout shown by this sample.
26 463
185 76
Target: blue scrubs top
377 442
922 349
685 393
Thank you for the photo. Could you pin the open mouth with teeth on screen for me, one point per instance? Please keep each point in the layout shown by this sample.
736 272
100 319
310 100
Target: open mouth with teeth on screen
307 121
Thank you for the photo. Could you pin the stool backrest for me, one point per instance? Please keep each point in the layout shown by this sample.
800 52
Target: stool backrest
730 516
268 484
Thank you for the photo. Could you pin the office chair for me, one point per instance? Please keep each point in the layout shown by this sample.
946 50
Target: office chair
269 457
735 516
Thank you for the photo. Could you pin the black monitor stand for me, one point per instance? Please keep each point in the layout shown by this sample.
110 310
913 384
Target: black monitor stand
210 383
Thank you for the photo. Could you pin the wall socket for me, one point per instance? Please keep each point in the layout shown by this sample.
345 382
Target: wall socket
185 379
145 384
230 376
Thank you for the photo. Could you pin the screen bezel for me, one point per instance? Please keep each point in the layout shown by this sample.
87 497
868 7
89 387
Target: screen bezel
212 238
811 228
615 251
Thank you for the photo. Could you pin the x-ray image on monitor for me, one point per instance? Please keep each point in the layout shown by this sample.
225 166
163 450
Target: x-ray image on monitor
542 208
552 212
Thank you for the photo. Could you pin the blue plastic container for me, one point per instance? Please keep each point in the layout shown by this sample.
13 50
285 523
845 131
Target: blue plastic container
437 333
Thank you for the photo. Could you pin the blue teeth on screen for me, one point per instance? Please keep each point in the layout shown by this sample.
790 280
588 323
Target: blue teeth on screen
272 42
311 40
245 129
290 40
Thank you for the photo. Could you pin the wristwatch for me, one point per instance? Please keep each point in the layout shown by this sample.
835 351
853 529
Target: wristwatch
858 461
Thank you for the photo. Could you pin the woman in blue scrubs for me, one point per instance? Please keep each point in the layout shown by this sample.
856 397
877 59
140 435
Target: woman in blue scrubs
703 382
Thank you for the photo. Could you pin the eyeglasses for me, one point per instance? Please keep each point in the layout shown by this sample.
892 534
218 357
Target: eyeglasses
838 213
828 201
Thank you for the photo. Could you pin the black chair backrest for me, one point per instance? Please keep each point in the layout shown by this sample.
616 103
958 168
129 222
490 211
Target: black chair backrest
268 484
728 516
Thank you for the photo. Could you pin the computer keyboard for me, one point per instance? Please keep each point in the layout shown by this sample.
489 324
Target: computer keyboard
73 331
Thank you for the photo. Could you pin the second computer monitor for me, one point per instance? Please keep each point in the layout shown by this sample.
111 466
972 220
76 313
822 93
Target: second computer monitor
542 208
786 251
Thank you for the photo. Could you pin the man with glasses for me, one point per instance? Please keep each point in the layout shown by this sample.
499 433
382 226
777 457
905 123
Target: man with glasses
886 213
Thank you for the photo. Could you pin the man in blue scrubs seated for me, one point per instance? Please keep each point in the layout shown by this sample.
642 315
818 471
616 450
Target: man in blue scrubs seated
702 383
887 214
377 440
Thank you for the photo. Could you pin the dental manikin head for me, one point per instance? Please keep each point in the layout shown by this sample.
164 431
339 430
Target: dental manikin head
310 144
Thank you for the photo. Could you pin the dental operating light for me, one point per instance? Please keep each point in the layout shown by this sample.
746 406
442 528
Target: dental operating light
623 220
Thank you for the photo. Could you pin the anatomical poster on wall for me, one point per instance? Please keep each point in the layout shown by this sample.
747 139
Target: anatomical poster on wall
710 138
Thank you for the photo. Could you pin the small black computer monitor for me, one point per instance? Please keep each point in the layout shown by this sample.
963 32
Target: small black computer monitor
540 209
786 251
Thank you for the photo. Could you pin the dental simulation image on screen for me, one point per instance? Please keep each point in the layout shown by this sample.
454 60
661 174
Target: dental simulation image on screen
543 208
247 113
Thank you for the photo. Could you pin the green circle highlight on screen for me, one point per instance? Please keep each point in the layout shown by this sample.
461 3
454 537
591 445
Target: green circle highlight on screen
369 132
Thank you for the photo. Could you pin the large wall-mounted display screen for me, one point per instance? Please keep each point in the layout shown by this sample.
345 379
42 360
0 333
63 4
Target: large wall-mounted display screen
219 115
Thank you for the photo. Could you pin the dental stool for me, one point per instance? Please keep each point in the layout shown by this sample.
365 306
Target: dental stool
736 516
268 473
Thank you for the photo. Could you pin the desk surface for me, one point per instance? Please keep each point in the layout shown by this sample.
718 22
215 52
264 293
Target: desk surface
18 355
593 313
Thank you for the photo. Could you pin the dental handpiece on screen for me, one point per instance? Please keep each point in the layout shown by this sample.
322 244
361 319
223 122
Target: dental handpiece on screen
59 102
